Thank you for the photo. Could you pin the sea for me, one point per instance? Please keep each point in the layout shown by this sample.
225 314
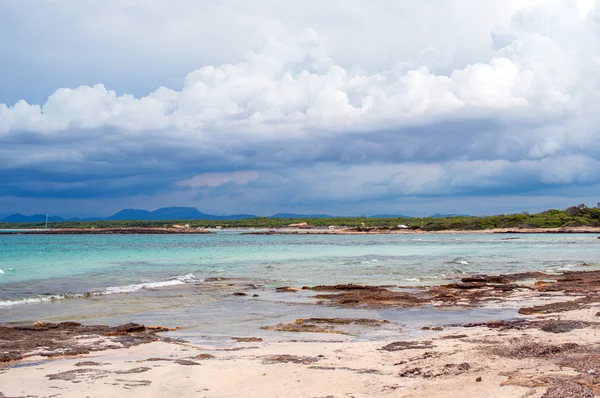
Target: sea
183 279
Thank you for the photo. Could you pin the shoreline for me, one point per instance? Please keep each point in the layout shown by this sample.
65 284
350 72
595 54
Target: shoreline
107 231
294 231
378 231
551 350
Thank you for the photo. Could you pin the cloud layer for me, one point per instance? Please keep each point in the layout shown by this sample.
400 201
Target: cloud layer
297 120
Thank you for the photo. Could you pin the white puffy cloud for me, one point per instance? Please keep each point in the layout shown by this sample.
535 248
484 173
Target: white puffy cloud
275 89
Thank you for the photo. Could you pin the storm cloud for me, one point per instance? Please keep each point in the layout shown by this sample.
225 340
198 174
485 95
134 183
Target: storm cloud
360 109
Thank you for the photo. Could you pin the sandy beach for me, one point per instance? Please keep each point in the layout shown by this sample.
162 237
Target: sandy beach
551 350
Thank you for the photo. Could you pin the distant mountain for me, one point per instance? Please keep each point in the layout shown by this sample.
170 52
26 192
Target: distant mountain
448 215
130 214
175 213
165 213
294 215
172 213
35 218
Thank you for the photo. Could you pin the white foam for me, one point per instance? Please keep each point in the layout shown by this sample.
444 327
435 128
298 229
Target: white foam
1 271
565 267
179 280
460 260
43 299
187 278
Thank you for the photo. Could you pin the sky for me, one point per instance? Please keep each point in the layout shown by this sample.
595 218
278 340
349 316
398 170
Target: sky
340 107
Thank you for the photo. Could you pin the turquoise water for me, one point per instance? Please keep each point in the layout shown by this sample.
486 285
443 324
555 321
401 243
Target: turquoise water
57 264
114 278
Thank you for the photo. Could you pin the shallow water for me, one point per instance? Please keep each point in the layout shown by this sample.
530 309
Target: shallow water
158 279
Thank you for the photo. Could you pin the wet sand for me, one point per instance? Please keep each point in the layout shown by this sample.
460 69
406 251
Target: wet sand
551 350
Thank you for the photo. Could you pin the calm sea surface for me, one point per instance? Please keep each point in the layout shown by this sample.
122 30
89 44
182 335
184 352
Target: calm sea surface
160 278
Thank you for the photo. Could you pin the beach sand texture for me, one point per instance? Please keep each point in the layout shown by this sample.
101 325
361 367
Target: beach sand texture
553 350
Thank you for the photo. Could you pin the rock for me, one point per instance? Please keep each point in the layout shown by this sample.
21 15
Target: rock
70 351
69 325
343 288
132 371
186 362
300 328
78 375
204 356
563 326
408 345
469 285
343 321
290 359
485 279
10 356
533 350
454 336
247 339
286 289
130 328
239 294
161 328
52 340
567 388
88 363
449 369
551 308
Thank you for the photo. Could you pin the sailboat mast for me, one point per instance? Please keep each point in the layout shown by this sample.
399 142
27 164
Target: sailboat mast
46 220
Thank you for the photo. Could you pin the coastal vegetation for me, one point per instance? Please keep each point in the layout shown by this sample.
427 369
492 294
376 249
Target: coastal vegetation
575 216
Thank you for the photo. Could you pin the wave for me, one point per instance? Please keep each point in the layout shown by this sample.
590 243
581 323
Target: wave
412 279
5 270
46 299
370 261
565 267
178 280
